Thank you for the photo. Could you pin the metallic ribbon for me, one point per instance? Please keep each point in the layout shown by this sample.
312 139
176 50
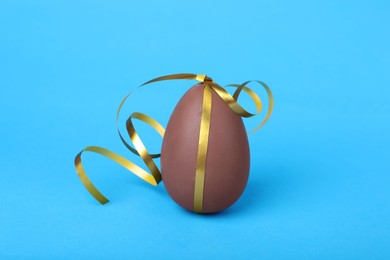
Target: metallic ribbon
153 177
202 149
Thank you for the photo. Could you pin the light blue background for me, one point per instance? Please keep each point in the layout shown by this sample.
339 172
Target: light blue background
320 177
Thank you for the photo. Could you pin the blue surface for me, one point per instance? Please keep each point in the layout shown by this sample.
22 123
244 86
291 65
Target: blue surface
320 176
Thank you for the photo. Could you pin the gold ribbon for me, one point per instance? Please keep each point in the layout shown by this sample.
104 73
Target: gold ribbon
202 149
154 176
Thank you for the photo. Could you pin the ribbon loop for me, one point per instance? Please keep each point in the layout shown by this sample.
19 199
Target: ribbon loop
255 99
140 150
116 158
139 146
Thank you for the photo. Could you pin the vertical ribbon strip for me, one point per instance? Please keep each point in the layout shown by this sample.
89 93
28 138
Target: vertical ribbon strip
202 149
154 177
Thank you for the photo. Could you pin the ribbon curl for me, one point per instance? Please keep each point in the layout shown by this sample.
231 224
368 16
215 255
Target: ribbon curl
154 176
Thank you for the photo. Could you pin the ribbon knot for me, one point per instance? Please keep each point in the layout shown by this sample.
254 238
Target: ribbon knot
201 77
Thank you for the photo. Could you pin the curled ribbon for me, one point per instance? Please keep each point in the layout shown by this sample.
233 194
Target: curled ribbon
154 176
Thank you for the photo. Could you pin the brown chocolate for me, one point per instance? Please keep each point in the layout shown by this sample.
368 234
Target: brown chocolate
227 163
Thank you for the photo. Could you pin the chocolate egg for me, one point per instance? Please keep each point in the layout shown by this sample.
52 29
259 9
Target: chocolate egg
227 158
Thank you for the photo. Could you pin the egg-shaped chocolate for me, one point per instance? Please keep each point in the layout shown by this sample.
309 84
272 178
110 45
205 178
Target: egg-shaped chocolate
227 157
